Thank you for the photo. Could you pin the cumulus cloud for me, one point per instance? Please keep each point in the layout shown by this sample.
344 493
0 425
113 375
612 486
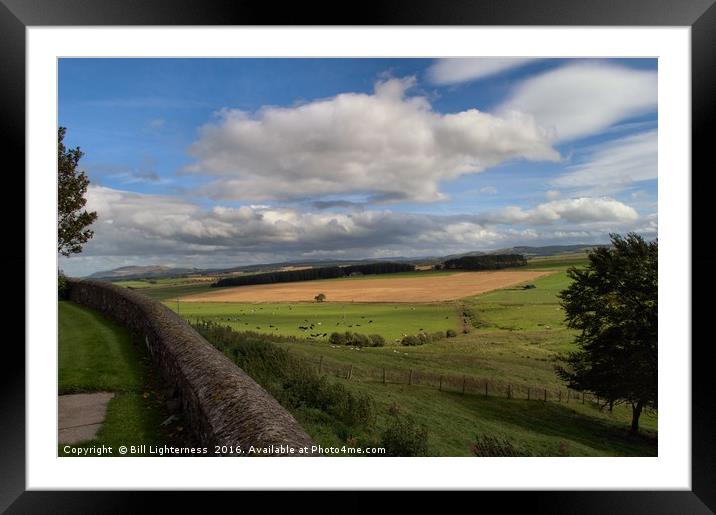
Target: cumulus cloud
386 146
615 164
463 69
583 98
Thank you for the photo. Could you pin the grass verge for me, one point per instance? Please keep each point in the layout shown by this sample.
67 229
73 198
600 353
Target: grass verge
96 355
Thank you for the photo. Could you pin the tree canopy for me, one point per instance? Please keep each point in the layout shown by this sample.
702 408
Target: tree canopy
613 302
310 274
486 262
72 220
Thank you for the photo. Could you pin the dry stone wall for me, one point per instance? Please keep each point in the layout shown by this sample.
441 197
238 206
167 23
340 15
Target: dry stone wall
224 406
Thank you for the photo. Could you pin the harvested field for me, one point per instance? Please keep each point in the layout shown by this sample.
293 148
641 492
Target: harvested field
413 289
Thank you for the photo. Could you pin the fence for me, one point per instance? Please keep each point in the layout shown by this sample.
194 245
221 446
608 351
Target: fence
464 384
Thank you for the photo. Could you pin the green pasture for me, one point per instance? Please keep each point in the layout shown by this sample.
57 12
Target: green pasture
558 262
515 337
158 282
542 429
170 292
391 321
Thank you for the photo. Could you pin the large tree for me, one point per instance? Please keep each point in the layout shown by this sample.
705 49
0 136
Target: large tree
613 303
72 219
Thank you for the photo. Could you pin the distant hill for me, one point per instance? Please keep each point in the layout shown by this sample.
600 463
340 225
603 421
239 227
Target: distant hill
550 250
141 272
464 254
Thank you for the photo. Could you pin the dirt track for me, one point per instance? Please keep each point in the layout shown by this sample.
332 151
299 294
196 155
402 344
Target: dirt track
430 288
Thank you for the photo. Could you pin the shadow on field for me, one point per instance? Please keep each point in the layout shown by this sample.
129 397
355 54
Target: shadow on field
559 420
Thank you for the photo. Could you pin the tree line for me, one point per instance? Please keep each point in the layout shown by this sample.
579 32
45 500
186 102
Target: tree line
309 274
486 262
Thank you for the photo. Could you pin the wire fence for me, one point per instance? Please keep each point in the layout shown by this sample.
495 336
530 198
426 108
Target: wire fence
465 384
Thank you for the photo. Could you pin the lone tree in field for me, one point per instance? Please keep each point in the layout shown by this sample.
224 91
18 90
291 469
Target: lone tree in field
613 302
320 297
72 219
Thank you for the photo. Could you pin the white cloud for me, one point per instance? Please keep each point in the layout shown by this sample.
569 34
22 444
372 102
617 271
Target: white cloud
584 98
385 146
615 164
150 223
146 229
462 69
489 190
576 210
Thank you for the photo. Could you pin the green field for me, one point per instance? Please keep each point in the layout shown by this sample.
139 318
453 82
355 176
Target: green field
173 291
391 321
514 336
138 284
97 355
543 429
558 262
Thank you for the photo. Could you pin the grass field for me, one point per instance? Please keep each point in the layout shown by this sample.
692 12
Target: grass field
174 291
97 355
138 284
389 320
514 336
558 262
543 429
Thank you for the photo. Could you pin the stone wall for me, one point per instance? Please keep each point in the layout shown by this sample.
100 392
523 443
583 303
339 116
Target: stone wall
223 405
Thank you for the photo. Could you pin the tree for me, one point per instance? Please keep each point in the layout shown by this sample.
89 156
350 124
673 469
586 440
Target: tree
613 302
320 297
72 220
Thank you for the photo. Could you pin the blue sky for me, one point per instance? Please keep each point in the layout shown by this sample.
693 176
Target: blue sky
220 162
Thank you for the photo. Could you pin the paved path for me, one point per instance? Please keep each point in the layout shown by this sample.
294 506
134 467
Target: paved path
81 415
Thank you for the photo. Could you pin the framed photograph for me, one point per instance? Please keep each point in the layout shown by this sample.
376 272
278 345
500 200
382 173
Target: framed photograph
414 250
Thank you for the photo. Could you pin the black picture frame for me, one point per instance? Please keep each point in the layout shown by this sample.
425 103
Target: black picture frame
700 15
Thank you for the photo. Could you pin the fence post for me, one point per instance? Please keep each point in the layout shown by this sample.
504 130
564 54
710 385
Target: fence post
350 372
441 384
410 377
383 376
583 395
509 391
486 383
560 396
545 395
320 365
528 393
463 385
567 396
